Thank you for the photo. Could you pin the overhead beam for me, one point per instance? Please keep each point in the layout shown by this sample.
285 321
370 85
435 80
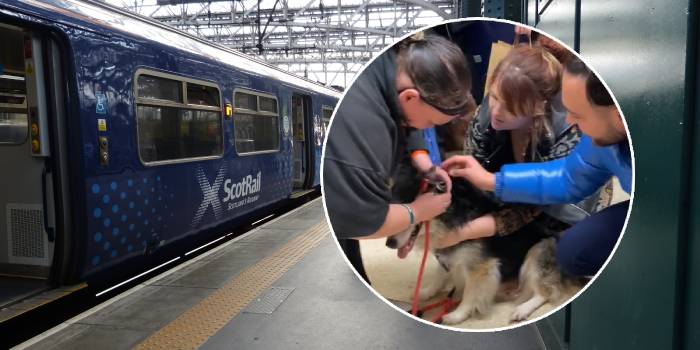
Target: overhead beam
319 47
308 61
179 2
429 6
338 27
352 10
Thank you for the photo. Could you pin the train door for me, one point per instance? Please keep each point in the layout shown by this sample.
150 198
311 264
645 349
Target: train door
26 209
302 140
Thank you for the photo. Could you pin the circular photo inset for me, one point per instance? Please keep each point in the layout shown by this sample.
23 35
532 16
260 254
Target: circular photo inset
477 174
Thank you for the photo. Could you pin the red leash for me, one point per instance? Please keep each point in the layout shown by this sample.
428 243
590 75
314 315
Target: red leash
447 302
414 309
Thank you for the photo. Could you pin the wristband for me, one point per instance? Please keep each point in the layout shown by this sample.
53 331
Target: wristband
418 152
410 213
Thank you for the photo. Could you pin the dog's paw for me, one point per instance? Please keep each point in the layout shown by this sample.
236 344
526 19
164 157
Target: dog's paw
521 313
454 317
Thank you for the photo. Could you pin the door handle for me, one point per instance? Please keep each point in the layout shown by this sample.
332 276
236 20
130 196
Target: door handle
49 230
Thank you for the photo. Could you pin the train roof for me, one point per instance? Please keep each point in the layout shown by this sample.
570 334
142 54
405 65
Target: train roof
114 18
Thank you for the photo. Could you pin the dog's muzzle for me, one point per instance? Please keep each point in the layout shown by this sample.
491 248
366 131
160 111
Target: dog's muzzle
403 245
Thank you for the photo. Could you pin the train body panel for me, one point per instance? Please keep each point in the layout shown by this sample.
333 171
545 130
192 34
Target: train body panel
132 201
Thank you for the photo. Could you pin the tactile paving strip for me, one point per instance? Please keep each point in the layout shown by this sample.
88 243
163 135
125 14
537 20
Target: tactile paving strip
191 329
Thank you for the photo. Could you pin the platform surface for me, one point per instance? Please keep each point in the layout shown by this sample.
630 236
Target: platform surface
283 285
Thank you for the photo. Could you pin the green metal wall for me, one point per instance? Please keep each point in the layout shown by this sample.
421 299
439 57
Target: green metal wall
690 305
559 17
647 297
639 47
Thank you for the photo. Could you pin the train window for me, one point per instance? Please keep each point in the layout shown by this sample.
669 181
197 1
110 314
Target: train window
256 133
172 131
202 95
255 123
159 88
246 101
268 104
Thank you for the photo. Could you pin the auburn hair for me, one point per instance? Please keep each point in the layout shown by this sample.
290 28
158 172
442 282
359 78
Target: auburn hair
525 78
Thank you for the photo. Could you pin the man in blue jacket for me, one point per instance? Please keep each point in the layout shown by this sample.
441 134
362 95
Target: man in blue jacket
603 152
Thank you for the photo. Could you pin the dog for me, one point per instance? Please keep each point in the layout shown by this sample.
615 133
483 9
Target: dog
476 269
541 281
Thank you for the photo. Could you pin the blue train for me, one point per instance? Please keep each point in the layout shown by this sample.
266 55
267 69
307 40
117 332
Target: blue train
121 136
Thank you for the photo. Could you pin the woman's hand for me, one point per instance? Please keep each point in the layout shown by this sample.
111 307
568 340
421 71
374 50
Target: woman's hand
483 226
429 205
470 169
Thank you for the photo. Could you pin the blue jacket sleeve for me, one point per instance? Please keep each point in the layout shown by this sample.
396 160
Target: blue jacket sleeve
565 180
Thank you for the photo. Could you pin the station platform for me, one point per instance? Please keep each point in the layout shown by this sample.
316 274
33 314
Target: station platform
283 285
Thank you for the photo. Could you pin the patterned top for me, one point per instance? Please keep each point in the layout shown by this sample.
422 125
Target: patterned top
493 148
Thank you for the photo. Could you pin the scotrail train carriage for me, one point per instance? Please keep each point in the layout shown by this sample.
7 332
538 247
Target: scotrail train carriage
120 136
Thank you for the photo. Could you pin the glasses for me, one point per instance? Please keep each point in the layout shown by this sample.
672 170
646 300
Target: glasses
452 112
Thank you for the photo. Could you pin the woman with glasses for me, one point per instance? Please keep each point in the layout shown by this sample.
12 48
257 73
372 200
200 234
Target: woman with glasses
421 82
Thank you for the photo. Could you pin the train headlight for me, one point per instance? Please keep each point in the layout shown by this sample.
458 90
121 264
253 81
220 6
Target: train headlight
228 111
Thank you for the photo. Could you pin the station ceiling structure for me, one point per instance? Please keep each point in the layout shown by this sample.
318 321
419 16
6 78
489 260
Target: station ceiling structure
327 41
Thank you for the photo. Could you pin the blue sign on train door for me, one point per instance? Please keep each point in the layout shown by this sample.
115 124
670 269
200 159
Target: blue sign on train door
101 103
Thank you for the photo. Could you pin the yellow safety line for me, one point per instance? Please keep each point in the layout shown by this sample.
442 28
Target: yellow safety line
191 329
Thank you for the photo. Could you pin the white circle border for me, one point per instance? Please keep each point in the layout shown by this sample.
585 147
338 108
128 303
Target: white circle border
563 304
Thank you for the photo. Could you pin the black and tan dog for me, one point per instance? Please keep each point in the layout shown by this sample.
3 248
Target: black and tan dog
477 268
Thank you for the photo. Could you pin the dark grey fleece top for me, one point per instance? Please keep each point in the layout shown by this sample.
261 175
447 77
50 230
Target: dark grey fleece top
364 145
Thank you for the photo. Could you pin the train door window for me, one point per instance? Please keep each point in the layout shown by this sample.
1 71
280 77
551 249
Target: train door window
13 90
255 122
13 109
301 158
178 119
326 113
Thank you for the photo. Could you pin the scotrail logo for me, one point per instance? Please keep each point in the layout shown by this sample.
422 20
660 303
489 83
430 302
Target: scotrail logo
210 194
247 189
247 185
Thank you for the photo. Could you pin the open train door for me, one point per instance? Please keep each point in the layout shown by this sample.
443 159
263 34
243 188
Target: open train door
27 217
303 142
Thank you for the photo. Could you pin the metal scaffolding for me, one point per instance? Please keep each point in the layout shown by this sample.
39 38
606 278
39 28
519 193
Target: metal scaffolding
328 42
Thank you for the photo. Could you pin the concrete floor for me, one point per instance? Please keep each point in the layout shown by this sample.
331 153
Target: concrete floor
328 306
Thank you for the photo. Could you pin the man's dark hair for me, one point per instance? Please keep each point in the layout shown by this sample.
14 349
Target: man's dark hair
438 69
596 91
